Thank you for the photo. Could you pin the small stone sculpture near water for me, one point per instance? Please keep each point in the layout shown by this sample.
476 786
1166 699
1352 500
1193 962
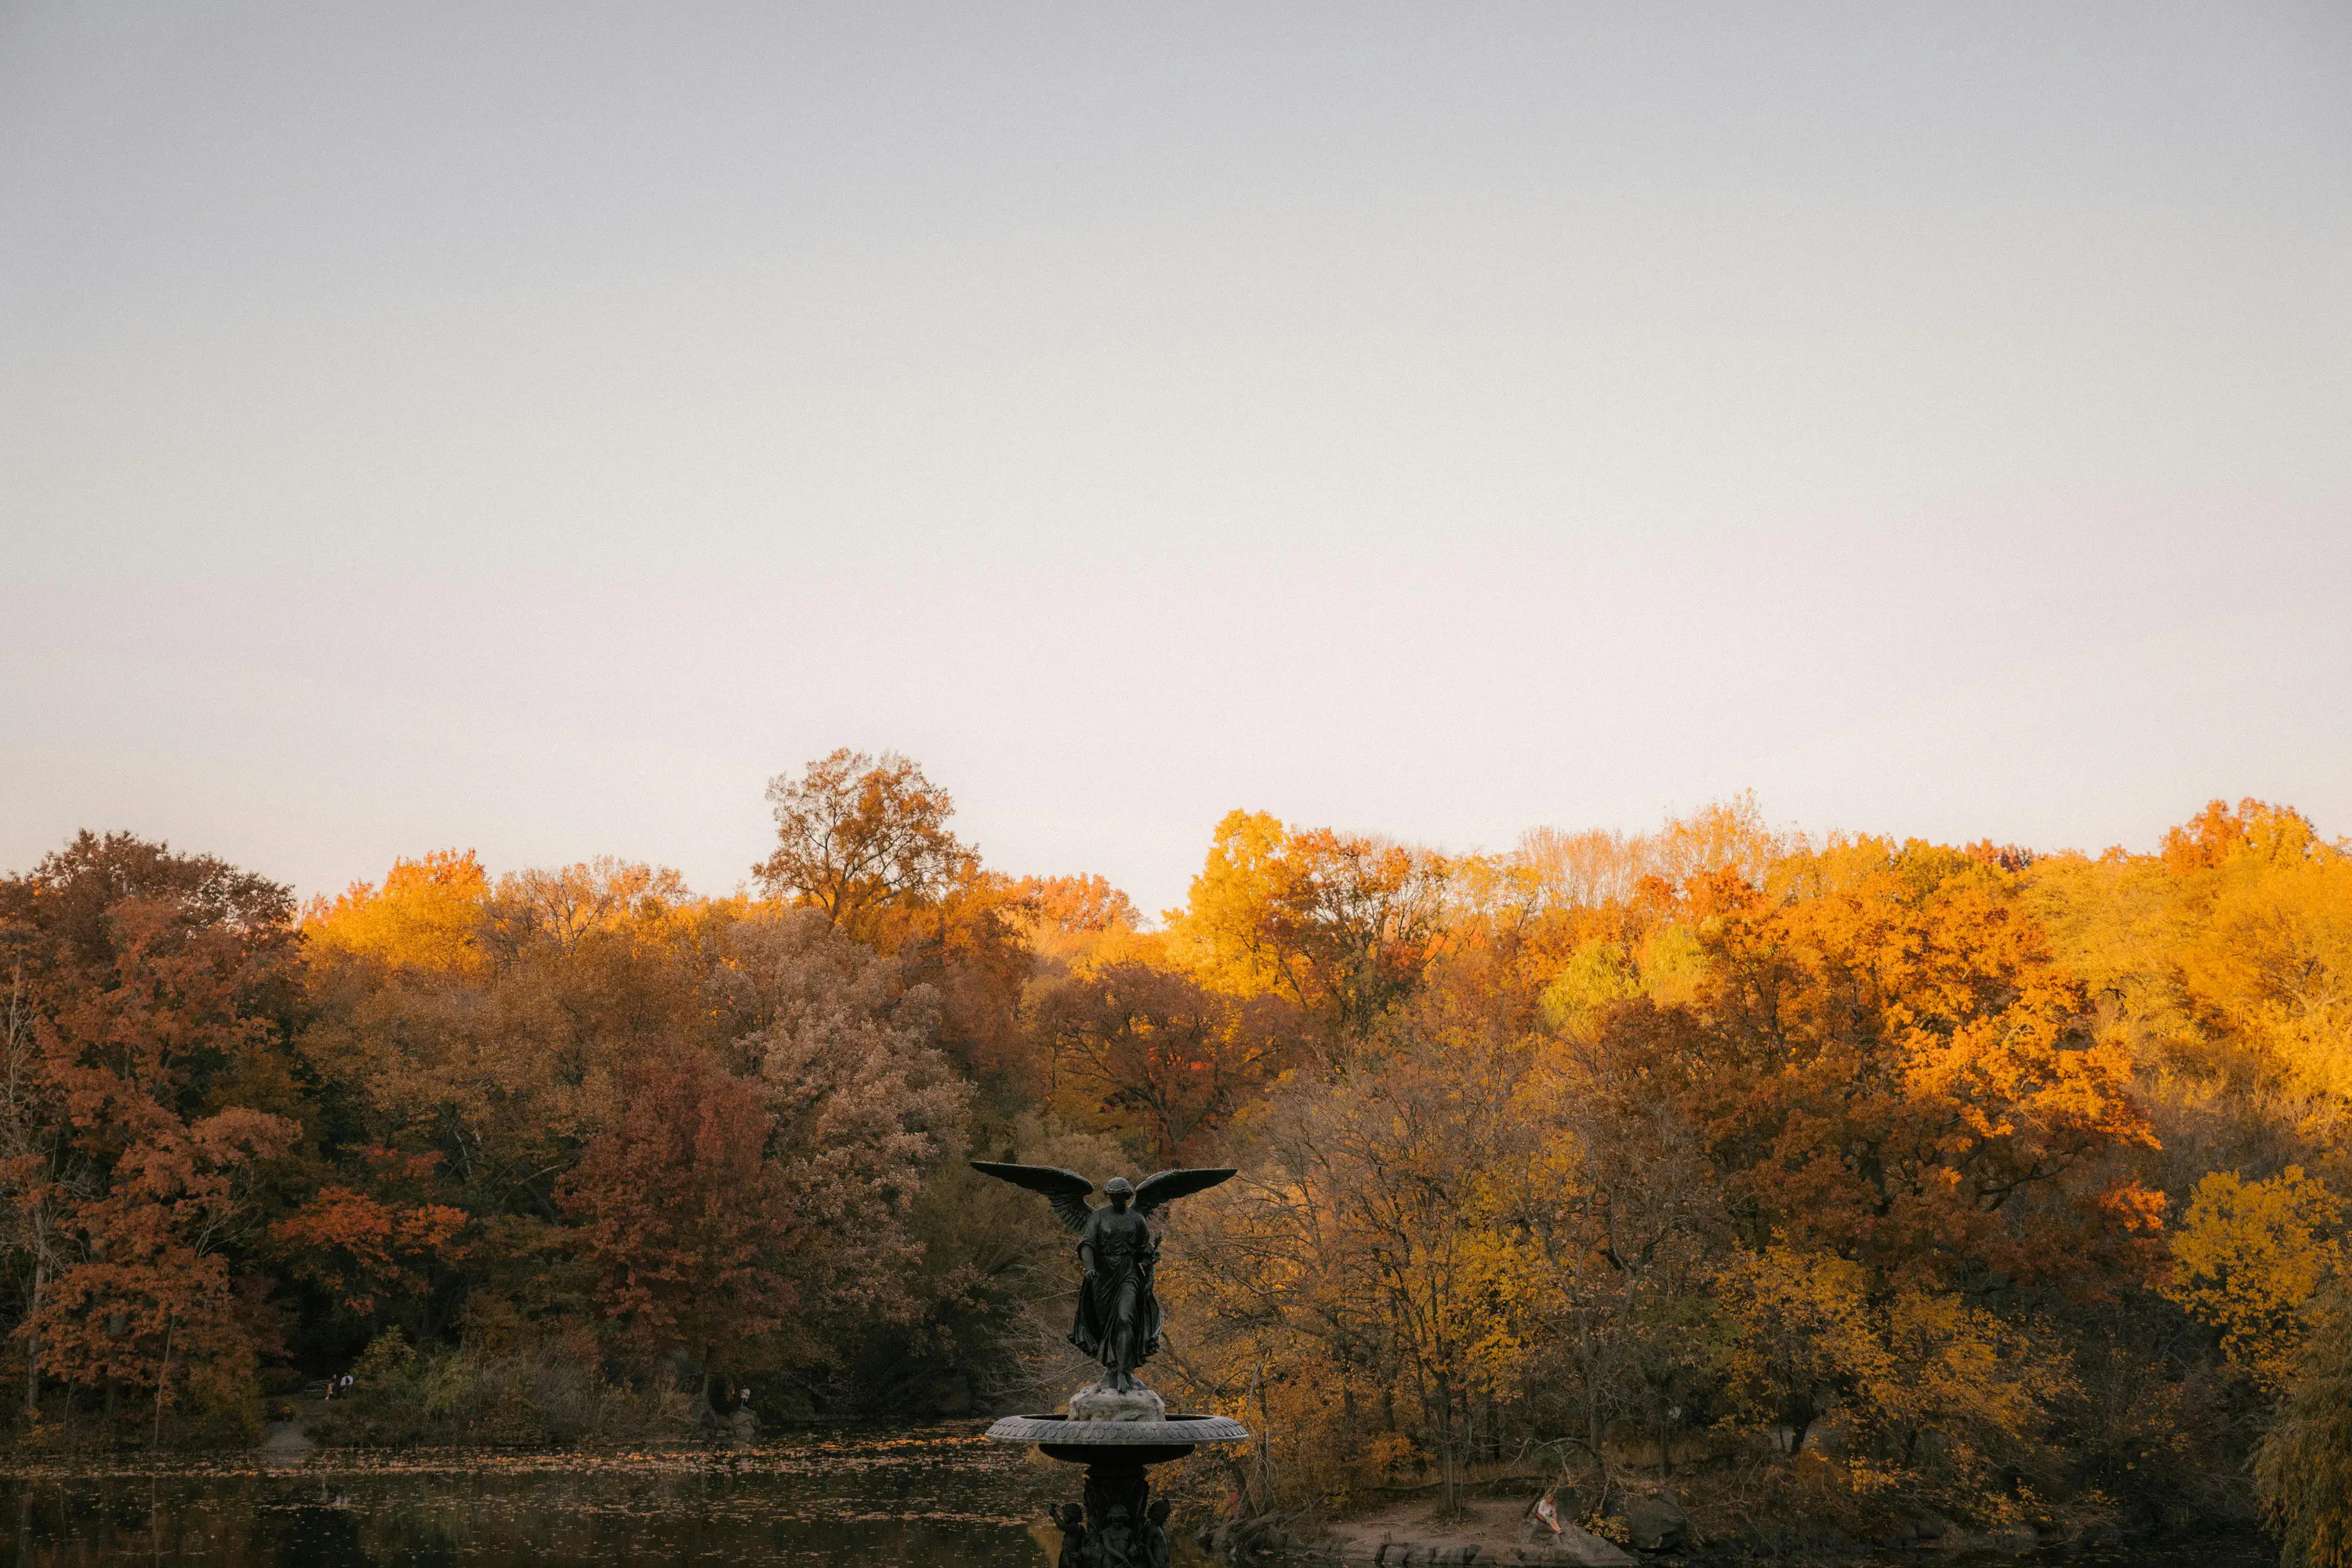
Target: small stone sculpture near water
1119 1314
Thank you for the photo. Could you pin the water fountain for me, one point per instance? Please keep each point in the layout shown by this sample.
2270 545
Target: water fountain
1116 1427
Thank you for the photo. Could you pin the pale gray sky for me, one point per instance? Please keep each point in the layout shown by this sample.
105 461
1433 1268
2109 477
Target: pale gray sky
530 426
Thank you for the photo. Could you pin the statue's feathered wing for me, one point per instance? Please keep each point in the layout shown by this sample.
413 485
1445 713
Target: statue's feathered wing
1065 1190
1157 1191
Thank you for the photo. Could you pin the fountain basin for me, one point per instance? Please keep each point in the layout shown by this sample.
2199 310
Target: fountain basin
1142 1442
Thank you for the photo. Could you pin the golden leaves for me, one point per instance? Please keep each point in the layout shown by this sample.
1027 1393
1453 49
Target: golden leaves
2250 1259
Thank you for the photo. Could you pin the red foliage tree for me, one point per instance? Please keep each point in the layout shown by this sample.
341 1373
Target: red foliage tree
685 1218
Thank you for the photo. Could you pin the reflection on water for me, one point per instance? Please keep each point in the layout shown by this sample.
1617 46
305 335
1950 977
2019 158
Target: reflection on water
2246 1550
934 1497
928 1498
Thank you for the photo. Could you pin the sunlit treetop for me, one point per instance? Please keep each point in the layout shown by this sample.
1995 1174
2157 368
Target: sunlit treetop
428 914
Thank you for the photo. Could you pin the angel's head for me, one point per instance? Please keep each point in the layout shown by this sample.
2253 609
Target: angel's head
1120 1192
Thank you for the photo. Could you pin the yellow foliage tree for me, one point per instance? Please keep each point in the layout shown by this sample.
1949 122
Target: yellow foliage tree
2272 963
1904 1364
1342 924
1368 1282
1222 934
1596 974
2249 1258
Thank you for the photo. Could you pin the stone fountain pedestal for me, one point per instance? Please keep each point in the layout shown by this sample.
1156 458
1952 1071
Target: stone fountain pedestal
1118 1435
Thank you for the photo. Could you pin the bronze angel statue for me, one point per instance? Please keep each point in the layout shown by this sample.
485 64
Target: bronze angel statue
1119 1316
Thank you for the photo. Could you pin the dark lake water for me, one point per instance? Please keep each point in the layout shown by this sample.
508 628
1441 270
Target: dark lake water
933 1497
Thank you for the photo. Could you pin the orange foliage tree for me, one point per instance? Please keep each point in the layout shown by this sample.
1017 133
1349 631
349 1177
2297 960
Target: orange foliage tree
161 985
428 914
856 834
864 840
1893 1070
363 1247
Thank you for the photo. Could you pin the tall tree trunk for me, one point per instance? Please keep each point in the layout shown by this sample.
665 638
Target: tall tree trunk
1265 1452
1446 1444
162 1384
33 1334
1596 1432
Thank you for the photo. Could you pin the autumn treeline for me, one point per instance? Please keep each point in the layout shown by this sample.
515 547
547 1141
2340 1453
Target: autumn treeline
1893 1184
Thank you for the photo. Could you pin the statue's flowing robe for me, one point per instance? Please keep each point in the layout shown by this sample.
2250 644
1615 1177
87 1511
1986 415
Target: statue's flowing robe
1119 1316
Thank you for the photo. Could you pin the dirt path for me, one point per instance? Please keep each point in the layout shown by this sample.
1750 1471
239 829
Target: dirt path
1501 1530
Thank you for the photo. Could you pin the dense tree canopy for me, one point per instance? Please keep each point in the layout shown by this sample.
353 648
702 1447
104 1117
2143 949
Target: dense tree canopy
2000 1183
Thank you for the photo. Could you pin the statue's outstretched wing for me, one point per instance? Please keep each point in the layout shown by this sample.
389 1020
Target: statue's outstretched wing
1065 1190
1157 1191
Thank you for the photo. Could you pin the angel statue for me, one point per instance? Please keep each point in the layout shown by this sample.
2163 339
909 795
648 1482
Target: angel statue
1119 1316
